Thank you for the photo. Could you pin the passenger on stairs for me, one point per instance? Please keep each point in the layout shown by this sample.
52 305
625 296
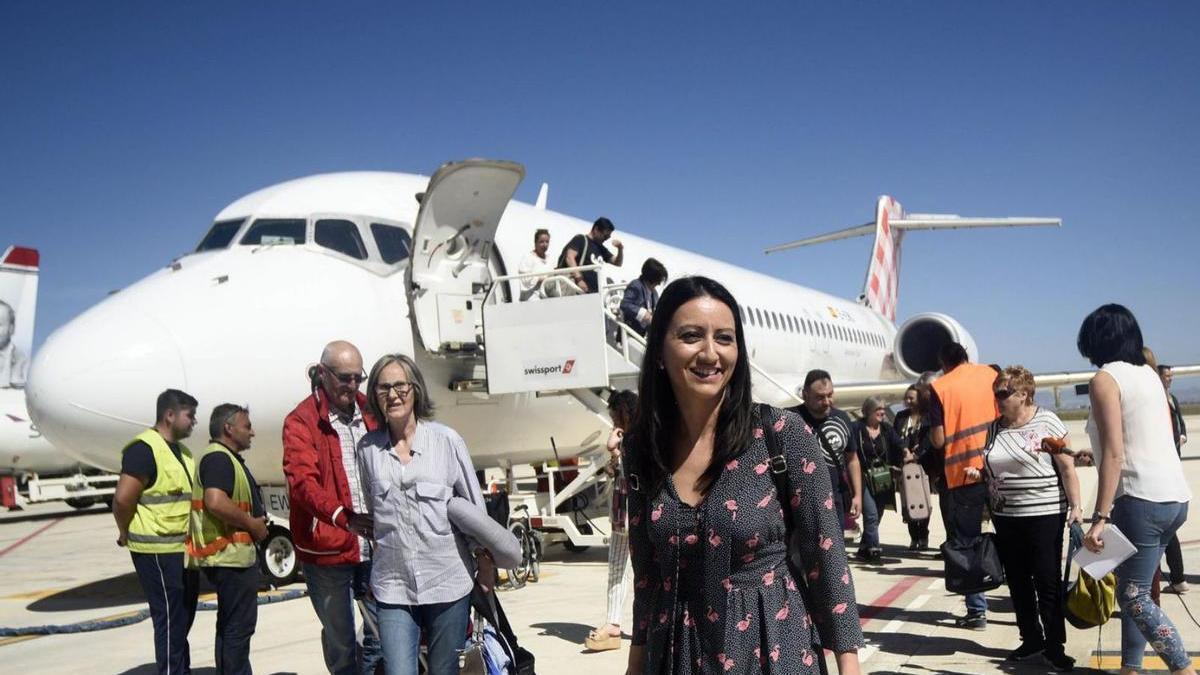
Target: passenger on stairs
641 296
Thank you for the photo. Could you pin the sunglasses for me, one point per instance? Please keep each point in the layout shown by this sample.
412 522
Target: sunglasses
1002 394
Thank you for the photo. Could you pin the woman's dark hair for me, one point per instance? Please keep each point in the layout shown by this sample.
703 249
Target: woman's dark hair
623 404
657 421
1111 334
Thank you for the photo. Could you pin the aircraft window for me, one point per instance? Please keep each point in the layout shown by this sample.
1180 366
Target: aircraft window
221 235
775 320
274 231
792 323
341 236
394 242
758 315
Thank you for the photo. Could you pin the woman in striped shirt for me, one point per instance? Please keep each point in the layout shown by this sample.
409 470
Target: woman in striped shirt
1033 495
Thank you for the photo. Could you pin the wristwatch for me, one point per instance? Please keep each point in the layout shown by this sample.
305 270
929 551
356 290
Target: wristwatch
1100 516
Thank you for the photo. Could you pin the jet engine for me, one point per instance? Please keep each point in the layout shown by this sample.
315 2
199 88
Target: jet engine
921 337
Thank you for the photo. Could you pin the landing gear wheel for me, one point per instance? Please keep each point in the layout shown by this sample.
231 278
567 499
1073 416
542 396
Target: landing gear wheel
277 557
81 502
584 528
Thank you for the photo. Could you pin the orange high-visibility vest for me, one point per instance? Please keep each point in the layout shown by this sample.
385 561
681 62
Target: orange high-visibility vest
969 408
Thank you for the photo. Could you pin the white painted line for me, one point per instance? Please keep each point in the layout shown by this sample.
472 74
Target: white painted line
866 653
892 626
936 584
917 602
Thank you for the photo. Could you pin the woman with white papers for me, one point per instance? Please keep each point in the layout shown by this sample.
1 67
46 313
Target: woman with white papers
1142 489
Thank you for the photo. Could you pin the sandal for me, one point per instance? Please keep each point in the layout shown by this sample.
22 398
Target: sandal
601 642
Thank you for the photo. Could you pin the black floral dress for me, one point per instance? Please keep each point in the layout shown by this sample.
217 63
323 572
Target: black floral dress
712 589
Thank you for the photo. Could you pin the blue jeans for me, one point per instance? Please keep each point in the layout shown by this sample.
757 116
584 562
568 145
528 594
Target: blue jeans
332 590
445 627
1149 526
870 514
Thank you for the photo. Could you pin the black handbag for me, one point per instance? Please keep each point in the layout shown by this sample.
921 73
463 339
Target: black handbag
973 565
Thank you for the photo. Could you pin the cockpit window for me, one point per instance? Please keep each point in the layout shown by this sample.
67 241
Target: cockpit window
275 231
220 235
341 236
393 242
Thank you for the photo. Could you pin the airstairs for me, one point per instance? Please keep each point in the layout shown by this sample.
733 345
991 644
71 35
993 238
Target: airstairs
465 307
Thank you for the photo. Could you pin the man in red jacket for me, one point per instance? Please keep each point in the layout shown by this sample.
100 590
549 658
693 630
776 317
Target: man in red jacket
330 526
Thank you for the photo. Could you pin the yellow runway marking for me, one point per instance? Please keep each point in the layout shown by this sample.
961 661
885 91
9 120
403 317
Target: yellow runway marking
1150 662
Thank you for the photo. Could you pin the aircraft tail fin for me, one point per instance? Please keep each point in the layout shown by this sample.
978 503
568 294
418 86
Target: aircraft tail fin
882 286
18 299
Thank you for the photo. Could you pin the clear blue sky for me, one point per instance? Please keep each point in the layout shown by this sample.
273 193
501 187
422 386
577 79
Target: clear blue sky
718 127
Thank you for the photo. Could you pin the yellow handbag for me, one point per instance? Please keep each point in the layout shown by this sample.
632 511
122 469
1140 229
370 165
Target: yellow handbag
1088 602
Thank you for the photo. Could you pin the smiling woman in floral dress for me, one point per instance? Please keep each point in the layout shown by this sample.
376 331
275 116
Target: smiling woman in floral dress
712 588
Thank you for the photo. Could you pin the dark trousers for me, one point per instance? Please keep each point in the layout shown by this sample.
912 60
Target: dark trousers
962 511
1175 561
171 592
237 614
918 530
1031 551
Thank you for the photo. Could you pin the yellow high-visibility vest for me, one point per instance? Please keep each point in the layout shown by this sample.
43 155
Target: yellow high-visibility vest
211 542
160 522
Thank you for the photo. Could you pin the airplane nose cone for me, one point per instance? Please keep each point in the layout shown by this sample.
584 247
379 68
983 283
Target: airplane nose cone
93 384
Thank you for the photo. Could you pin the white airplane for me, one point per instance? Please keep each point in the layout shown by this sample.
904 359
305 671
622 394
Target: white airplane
41 471
399 262
23 449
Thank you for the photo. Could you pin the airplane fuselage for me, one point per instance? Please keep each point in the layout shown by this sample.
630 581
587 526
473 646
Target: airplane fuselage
241 323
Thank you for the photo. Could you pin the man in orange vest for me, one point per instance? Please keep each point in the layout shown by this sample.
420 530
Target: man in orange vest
962 407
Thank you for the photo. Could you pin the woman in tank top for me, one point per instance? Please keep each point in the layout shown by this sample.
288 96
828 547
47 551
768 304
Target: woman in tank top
1142 489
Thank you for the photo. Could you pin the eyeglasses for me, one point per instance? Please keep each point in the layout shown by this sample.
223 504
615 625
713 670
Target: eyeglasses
348 378
400 388
1002 394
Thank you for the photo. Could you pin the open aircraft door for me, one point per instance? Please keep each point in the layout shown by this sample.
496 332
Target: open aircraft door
452 245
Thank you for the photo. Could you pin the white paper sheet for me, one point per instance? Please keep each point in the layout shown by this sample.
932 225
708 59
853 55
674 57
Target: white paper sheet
1117 548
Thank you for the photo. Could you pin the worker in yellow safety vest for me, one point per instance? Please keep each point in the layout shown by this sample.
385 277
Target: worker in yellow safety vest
227 519
152 505
962 407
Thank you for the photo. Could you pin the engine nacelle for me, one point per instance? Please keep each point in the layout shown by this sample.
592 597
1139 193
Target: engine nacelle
921 337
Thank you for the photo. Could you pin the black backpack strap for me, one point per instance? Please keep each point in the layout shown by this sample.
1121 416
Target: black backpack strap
778 463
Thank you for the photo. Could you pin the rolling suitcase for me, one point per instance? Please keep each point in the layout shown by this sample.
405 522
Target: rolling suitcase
914 493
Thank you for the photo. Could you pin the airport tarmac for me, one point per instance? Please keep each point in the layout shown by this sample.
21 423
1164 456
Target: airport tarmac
61 566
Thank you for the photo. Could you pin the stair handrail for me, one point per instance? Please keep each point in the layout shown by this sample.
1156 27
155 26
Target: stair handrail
558 272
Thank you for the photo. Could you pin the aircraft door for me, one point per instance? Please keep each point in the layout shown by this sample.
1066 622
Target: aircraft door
453 240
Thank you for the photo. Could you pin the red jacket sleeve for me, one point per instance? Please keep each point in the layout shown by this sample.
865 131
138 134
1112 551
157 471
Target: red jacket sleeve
301 460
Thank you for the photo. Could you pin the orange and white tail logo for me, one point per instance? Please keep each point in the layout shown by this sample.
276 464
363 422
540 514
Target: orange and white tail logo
883 275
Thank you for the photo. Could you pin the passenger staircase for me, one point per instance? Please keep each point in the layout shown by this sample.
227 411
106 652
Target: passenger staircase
465 307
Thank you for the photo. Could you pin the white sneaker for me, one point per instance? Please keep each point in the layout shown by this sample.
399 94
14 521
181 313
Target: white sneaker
1179 588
